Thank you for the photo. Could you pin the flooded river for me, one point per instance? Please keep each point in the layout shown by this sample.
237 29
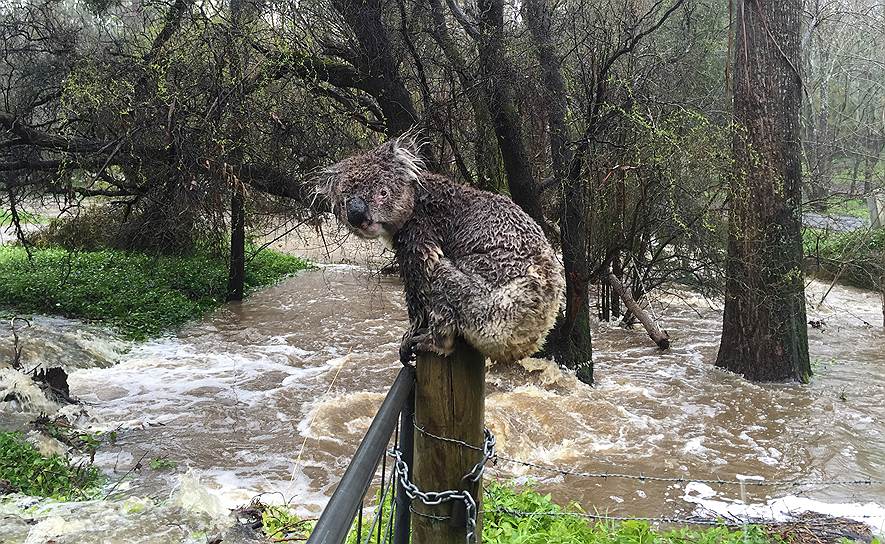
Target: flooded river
272 396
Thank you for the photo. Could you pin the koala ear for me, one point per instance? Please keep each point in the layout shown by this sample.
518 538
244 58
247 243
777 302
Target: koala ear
405 153
324 187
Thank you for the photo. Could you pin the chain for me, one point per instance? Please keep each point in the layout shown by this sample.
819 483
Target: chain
488 453
435 498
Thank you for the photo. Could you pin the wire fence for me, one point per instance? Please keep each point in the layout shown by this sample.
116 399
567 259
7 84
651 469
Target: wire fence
702 516
396 492
744 481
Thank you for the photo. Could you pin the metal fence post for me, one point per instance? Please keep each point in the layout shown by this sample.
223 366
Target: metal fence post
335 521
402 521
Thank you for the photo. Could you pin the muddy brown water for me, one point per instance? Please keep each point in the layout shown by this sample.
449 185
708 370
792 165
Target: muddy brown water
272 396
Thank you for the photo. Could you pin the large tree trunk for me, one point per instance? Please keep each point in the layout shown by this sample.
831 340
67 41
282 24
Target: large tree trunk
498 84
764 331
570 343
376 61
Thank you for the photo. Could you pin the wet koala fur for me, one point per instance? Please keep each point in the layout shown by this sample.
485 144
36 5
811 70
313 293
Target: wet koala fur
473 263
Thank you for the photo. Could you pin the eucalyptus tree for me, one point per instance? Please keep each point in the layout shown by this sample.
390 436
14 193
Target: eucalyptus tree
764 331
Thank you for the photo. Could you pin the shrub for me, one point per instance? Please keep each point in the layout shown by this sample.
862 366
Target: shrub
857 256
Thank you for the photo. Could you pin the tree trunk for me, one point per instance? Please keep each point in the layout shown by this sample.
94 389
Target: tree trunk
764 331
486 157
236 279
659 337
501 96
376 61
571 342
822 170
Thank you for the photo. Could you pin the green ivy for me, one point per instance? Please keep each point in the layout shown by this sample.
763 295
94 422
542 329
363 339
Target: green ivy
24 470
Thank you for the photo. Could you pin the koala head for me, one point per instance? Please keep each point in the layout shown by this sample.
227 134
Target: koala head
373 193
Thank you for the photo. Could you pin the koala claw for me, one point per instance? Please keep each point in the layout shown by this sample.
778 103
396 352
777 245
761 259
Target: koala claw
424 341
429 342
408 351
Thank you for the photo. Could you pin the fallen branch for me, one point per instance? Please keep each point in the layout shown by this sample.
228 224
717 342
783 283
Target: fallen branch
659 337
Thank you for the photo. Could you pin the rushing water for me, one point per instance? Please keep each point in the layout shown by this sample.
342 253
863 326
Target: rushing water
271 396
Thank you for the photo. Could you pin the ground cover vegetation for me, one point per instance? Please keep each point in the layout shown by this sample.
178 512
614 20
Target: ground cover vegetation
23 469
516 514
855 257
139 294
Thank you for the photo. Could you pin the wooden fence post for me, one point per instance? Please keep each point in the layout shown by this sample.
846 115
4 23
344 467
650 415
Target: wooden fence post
449 402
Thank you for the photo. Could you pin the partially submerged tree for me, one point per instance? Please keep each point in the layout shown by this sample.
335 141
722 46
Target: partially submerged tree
764 332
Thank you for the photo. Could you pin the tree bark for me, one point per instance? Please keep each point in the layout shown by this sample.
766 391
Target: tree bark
764 331
236 278
659 337
237 275
376 61
486 157
570 342
501 96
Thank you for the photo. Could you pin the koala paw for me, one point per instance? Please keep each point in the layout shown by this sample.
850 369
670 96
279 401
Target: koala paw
424 341
434 342
408 347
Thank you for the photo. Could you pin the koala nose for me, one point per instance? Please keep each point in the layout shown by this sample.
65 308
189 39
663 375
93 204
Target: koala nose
357 211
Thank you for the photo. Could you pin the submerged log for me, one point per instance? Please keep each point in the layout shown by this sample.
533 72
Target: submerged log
659 337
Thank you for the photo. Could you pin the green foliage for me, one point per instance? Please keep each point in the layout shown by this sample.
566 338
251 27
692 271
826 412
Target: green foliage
854 207
524 516
28 472
661 195
380 525
279 522
81 441
162 463
502 525
857 256
140 294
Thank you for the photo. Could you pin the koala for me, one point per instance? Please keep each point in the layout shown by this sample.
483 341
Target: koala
473 264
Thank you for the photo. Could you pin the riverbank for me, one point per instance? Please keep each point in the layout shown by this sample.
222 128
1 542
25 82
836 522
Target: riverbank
139 295
855 257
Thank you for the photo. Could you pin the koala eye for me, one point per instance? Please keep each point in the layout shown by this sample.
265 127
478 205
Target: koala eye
383 193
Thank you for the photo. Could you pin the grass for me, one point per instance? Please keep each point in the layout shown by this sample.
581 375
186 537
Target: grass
854 207
548 522
141 295
540 521
859 255
23 469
